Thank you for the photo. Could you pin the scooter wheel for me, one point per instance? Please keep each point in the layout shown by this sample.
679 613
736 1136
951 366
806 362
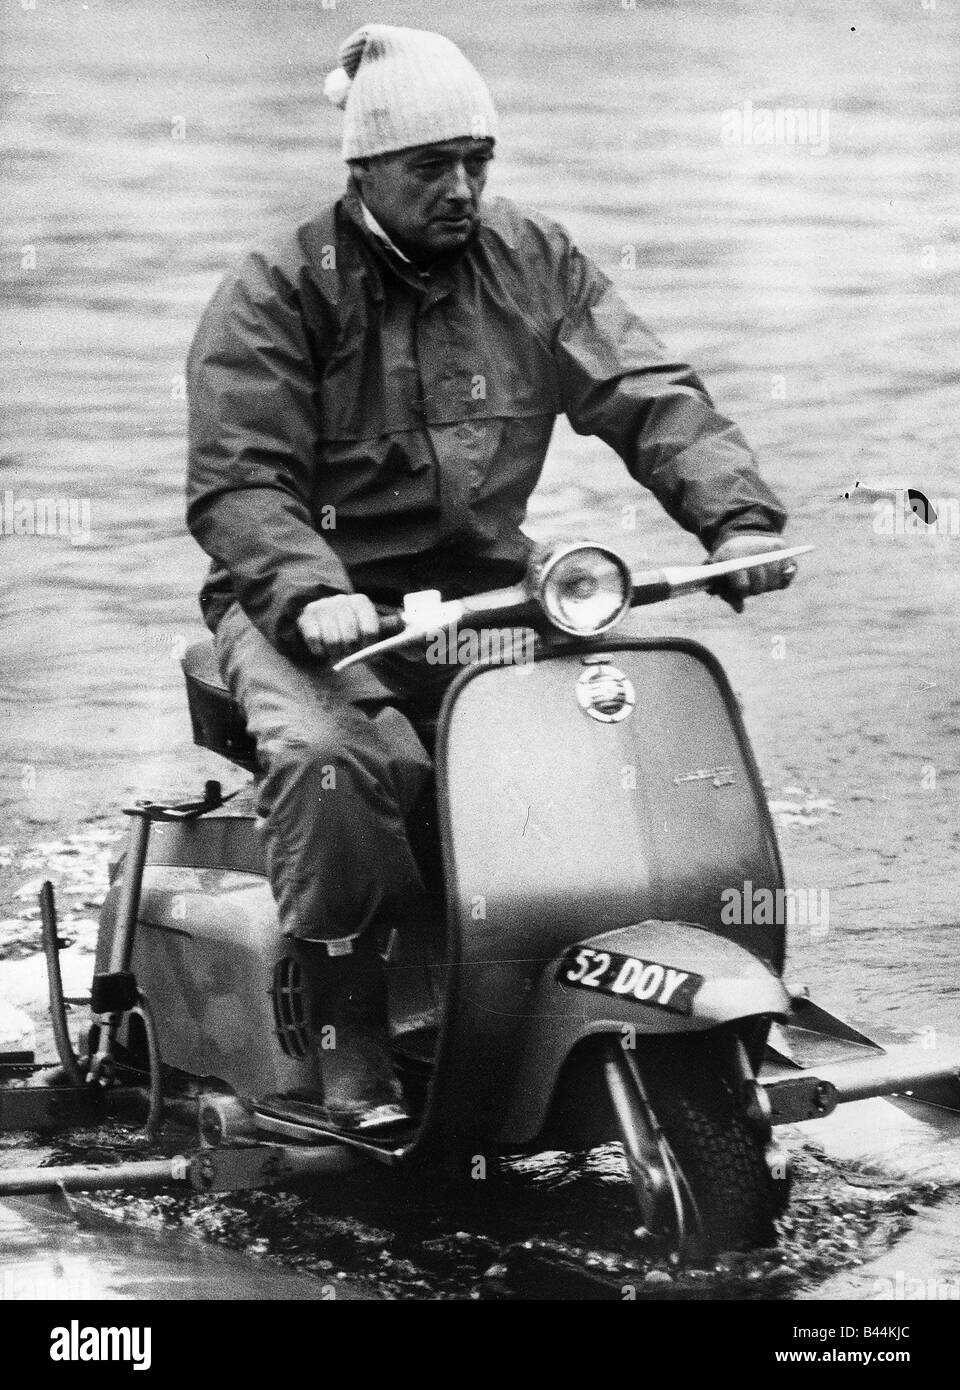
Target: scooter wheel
722 1156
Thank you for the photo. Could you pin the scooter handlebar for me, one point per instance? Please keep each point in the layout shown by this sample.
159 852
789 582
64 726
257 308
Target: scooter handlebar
650 586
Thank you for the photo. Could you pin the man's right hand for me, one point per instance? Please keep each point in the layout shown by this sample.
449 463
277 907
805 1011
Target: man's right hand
335 626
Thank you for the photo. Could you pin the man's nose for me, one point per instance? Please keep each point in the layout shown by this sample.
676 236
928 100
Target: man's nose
459 190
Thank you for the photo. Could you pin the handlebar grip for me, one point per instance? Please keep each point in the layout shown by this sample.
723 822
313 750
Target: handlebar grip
391 623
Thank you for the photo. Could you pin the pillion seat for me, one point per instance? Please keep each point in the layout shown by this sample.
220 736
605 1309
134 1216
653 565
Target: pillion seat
218 721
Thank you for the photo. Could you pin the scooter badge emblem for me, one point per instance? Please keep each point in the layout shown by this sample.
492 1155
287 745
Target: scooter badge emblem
605 693
717 776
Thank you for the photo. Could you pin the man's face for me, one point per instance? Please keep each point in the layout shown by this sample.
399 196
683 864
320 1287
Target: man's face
427 198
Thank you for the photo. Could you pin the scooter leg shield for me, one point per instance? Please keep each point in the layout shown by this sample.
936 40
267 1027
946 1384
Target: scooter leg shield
594 790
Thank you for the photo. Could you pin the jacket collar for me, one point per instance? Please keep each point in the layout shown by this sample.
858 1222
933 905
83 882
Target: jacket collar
374 226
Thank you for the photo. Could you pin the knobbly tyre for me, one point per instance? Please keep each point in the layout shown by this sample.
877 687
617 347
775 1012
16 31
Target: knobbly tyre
591 808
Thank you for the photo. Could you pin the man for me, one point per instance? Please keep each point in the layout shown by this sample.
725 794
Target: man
369 412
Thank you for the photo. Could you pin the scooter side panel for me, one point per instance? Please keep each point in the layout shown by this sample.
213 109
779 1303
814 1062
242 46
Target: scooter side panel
560 826
205 953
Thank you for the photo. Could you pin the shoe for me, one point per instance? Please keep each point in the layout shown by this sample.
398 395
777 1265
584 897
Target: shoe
349 1022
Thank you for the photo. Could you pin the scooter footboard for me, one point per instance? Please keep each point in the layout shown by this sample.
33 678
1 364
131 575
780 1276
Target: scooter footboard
652 978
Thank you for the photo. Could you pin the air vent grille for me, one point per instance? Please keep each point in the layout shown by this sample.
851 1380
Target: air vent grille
291 1007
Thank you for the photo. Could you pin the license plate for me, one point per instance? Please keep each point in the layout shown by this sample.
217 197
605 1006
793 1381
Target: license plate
628 977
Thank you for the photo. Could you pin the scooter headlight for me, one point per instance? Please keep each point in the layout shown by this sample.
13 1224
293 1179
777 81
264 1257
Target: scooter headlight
583 588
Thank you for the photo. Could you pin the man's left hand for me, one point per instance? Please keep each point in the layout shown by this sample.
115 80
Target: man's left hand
734 588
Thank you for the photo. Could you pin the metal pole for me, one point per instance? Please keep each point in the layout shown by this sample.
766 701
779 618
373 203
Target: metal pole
58 1014
121 948
82 1178
254 1166
111 1003
890 1075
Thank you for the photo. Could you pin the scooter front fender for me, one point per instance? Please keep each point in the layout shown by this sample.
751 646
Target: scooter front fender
733 985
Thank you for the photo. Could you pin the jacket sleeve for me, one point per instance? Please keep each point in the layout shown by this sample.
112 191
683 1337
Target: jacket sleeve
617 383
253 445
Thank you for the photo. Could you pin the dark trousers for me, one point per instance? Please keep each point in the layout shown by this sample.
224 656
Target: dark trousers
343 772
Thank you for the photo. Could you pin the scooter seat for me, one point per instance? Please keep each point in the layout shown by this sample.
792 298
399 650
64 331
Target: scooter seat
217 720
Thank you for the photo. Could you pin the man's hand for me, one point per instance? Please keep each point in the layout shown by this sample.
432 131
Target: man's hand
335 626
734 588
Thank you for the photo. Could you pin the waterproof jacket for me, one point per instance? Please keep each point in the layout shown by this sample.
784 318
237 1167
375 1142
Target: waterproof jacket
355 425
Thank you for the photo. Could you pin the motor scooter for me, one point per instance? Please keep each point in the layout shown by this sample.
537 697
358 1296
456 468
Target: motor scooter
596 801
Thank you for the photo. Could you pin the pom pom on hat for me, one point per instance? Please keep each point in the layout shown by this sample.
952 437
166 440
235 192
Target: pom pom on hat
336 89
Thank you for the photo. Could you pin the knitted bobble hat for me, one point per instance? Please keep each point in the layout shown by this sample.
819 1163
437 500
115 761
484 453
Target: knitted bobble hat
402 87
